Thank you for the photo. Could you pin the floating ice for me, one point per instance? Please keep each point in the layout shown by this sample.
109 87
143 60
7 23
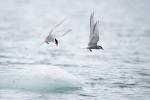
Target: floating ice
39 78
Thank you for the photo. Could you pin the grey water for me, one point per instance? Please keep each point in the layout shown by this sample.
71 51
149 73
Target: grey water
120 71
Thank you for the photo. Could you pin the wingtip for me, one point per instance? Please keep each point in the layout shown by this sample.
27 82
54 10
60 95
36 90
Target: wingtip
69 30
97 22
92 13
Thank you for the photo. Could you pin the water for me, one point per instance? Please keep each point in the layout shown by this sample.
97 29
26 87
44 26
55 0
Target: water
121 71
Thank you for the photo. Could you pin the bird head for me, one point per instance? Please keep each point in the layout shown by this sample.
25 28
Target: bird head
100 47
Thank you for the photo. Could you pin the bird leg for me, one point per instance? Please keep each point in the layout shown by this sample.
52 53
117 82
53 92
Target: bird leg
90 50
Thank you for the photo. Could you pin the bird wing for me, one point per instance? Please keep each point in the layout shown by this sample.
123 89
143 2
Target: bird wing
57 25
94 35
66 32
51 35
91 23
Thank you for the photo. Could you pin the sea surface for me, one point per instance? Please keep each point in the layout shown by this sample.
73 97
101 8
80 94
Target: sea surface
119 72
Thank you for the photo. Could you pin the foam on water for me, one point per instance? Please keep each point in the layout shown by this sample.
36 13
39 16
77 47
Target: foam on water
39 78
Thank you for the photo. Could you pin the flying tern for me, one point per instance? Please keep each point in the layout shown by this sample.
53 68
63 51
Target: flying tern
51 37
94 34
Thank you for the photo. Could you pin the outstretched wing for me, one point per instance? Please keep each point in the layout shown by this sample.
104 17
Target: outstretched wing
94 35
51 36
91 23
57 25
66 32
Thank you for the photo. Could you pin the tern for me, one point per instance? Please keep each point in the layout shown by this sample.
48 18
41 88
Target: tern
94 34
51 37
